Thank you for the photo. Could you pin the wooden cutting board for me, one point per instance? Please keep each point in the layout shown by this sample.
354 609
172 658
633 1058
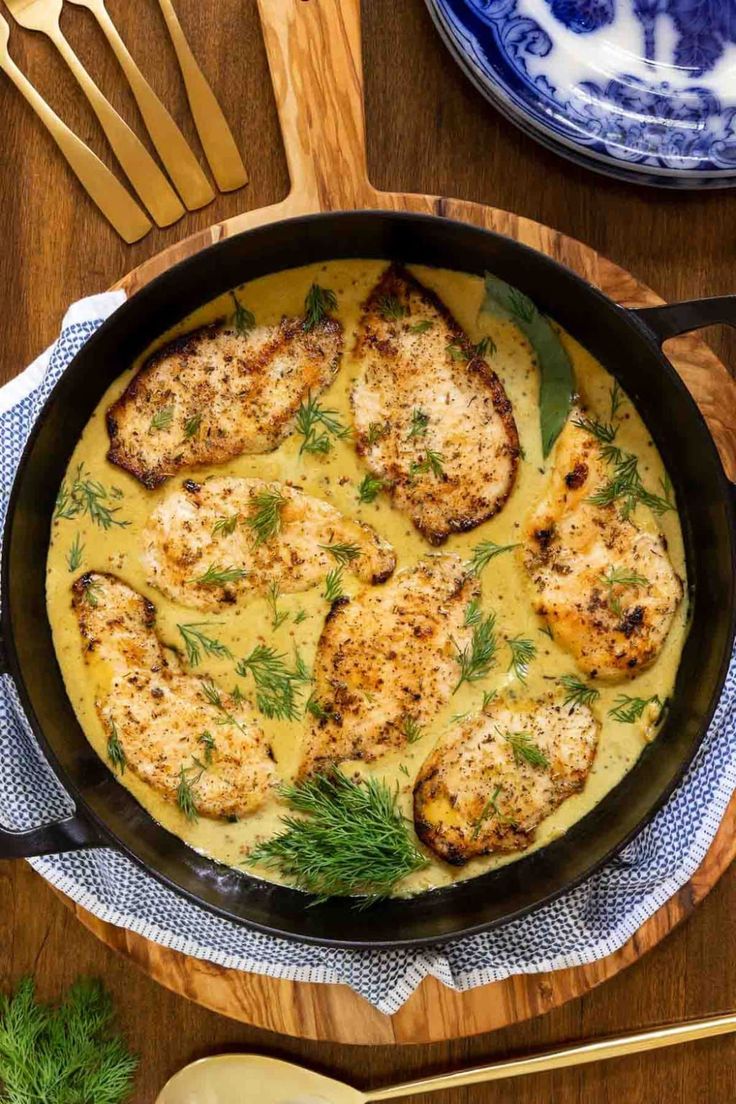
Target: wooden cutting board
314 55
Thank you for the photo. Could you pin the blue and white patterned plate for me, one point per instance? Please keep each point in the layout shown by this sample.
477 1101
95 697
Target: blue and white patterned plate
644 90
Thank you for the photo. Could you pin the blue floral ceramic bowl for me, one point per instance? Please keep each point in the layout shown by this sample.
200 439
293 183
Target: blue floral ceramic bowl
644 90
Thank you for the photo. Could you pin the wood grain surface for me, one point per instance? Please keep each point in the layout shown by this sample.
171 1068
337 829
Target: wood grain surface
428 132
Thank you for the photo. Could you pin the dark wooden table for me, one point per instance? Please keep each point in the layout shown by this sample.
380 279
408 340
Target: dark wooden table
429 132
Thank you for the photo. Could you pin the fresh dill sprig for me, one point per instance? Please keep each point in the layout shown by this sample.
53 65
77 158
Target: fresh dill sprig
62 1055
421 327
185 798
456 352
342 553
620 577
490 808
376 430
617 399
75 555
333 585
272 597
547 631
604 432
318 425
162 419
277 686
115 751
92 592
299 616
369 488
225 526
196 641
483 553
525 750
216 575
265 514
485 347
207 740
83 495
317 305
419 423
488 696
473 614
433 461
404 769
477 657
411 729
578 692
349 839
244 320
214 697
523 651
391 309
192 425
627 710
314 706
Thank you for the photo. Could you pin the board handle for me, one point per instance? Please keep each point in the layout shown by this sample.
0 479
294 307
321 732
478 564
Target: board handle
314 55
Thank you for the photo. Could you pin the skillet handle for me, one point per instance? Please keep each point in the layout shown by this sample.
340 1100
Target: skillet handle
679 318
72 834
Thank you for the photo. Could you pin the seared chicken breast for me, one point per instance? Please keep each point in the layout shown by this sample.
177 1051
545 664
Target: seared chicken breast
216 393
190 741
604 585
432 418
493 777
386 662
258 534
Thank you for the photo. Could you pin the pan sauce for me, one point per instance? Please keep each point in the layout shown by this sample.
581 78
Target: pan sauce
335 478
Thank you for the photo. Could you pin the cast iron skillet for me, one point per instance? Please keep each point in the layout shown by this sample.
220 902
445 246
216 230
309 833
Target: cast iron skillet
626 342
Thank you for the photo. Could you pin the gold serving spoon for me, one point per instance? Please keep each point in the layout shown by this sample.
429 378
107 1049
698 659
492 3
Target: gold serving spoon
171 145
118 207
236 1078
214 133
135 160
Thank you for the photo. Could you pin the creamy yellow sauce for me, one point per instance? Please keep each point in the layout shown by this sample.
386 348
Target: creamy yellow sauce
335 477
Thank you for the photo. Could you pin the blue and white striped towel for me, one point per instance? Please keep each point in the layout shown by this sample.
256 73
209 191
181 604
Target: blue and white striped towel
586 924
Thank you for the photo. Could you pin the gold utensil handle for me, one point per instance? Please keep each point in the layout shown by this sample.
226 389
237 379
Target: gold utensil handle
596 1051
214 133
135 160
171 145
118 207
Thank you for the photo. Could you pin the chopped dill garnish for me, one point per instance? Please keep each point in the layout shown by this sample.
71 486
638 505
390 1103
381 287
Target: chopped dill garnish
376 430
604 432
404 769
317 305
192 426
525 750
244 320
473 613
488 696
92 593
490 808
226 526
457 717
342 553
456 352
277 687
483 553
315 707
299 616
486 347
115 752
265 516
578 692
476 658
162 419
618 576
197 642
547 631
349 839
237 695
185 798
627 710
419 423
369 488
87 496
75 555
215 575
411 730
421 327
391 309
433 461
523 651
207 740
317 425
333 585
272 597
617 399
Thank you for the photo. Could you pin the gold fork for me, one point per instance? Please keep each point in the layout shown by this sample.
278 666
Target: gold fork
135 160
118 207
214 133
171 145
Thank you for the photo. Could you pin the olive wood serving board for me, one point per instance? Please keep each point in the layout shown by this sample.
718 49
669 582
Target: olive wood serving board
314 55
